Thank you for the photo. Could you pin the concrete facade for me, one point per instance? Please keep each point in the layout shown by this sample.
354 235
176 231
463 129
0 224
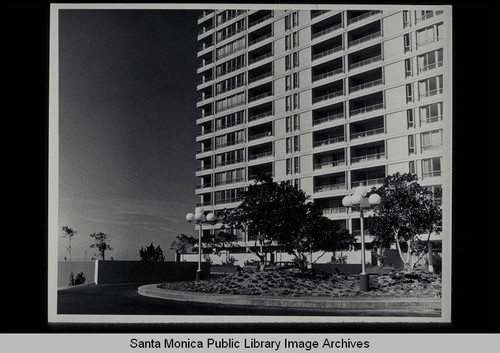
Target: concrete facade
324 99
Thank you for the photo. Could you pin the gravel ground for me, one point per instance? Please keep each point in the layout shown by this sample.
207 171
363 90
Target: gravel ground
291 282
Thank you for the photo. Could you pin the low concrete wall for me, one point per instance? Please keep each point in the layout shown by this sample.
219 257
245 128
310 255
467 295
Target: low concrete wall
138 271
65 268
345 269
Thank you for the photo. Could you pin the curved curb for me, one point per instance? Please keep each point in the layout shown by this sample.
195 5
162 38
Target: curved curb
358 303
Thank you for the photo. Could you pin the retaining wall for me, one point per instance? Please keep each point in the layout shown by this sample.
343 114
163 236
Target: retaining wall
66 267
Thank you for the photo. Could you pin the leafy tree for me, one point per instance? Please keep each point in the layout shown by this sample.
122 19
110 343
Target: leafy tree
101 243
407 210
269 211
183 243
221 240
68 233
151 254
317 234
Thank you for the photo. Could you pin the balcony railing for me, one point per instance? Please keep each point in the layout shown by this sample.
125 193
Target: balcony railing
431 93
234 123
362 17
435 173
430 66
427 16
367 109
206 131
260 96
431 119
334 210
367 182
328 118
229 181
326 31
329 141
260 155
329 164
235 199
260 20
259 136
367 158
205 96
206 149
367 133
230 143
205 46
322 188
328 74
260 39
260 77
204 167
432 147
230 106
364 39
365 62
204 80
222 73
206 185
259 58
230 51
328 96
318 13
228 162
206 115
229 88
226 36
205 30
365 85
327 52
204 203
259 116
429 41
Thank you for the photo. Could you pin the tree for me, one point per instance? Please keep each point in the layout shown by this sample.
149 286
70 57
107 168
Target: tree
101 243
151 254
269 211
317 234
407 210
183 243
222 240
68 233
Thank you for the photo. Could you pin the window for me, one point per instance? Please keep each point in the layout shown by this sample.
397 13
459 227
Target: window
288 42
288 103
295 19
295 37
288 123
409 93
288 166
296 103
407 42
288 145
429 34
296 165
287 22
407 67
296 59
430 60
406 18
296 182
431 113
411 167
411 144
431 86
296 143
288 62
296 80
288 85
431 140
431 167
409 118
296 122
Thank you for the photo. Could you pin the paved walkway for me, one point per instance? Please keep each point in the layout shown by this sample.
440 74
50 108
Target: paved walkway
124 299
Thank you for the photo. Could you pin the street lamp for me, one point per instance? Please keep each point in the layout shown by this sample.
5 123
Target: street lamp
360 201
199 218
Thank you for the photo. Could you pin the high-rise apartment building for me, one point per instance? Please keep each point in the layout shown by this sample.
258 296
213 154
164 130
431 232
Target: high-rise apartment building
325 99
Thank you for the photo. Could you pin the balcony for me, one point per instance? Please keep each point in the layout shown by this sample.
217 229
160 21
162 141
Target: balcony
222 201
430 66
260 155
365 14
428 15
366 85
229 181
432 148
328 96
368 158
329 164
205 96
328 74
254 20
432 174
204 132
204 167
260 136
316 13
205 149
205 46
205 30
259 96
334 210
332 187
428 41
259 58
260 116
328 141
326 31
367 133
365 62
204 203
229 162
230 143
431 93
367 182
203 186
328 118
326 26
431 119
364 39
260 77
259 39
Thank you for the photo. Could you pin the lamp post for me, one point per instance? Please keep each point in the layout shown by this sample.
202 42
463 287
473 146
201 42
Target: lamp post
360 201
199 218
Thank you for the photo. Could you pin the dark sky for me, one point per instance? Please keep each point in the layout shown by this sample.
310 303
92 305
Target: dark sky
127 128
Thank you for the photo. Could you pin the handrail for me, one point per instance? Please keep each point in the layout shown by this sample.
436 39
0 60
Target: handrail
367 182
261 38
432 147
207 131
368 157
427 16
429 41
329 164
328 96
260 96
205 30
260 155
363 16
259 136
260 20
322 188
206 149
228 162
367 109
332 210
328 118
431 92
326 31
430 66
365 85
431 119
205 46
230 143
327 52
365 62
259 116
229 88
434 173
234 199
329 141
230 181
237 122
206 185
327 74
367 133
205 167
318 13
260 77
259 58
364 39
